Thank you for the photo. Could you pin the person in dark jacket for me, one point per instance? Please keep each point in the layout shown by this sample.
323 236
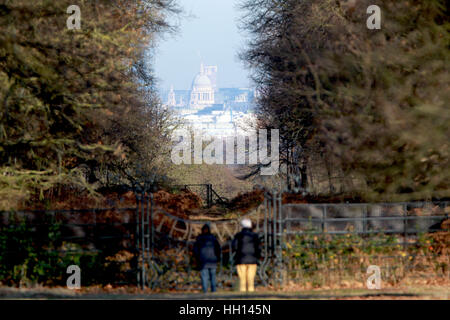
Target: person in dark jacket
207 252
246 246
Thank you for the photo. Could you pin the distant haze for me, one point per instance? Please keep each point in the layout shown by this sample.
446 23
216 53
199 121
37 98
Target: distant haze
210 35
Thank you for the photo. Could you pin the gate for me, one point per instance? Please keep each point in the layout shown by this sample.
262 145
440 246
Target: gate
142 245
147 246
271 270
165 243
206 192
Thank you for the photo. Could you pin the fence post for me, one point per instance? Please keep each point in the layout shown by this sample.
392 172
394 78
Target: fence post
288 227
231 261
152 240
274 238
148 240
364 219
138 252
284 267
405 213
263 266
142 242
274 222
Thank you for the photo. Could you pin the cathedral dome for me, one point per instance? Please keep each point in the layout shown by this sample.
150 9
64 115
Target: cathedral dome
201 81
202 93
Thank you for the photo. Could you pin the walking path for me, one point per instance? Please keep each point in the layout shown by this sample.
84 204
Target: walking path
60 293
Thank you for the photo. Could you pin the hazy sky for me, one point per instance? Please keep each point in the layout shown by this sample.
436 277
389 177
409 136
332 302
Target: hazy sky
211 33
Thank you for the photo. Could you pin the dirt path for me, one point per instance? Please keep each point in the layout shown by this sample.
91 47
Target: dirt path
347 294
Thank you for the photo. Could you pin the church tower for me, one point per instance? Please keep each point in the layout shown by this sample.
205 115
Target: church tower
171 101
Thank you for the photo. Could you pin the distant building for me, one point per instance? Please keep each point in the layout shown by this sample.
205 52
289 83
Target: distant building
171 99
214 111
202 91
211 72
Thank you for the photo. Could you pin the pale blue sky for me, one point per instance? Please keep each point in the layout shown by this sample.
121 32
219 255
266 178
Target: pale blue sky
212 32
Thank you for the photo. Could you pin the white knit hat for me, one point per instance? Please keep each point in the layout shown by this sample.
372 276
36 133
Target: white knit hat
246 223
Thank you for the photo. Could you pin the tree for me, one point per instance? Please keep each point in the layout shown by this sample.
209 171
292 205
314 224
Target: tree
370 103
66 94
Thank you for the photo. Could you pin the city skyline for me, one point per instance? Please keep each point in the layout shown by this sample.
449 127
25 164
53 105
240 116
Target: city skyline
210 109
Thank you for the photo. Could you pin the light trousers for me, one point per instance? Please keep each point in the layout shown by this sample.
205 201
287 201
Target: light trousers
246 273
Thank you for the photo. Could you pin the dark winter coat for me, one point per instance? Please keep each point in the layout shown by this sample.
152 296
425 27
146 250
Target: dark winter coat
207 251
246 245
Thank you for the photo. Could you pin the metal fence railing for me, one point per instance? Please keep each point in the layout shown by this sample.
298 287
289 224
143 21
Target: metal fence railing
390 218
322 241
206 192
300 240
37 246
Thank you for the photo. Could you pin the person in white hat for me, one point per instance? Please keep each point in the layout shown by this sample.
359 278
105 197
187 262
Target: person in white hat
246 245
